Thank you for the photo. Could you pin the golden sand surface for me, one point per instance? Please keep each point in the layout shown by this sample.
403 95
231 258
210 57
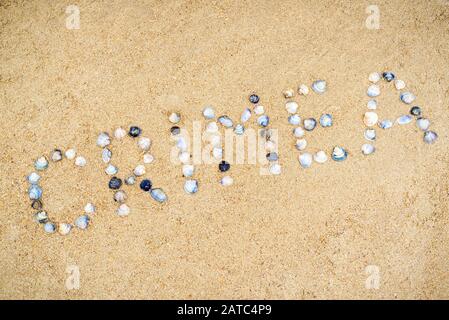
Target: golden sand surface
306 234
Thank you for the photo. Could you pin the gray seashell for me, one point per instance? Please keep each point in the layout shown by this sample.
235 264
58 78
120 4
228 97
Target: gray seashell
82 222
368 149
423 124
407 97
386 124
263 121
120 196
56 155
188 170
35 192
372 104
64 228
430 137
373 91
191 186
41 217
294 119
319 86
106 155
272 156
208 112
305 160
405 119
326 120
158 195
320 157
246 115
33 178
239 129
225 121
41 163
301 144
309 124
123 210
298 132
103 139
370 134
49 227
130 180
339 154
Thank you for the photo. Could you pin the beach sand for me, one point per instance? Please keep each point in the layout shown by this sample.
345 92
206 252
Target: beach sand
372 227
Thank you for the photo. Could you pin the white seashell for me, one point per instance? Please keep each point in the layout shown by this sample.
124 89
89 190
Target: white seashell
174 117
407 97
217 153
298 132
214 140
70 154
139 170
208 112
258 110
320 157
368 149
33 178
106 155
49 227
275 169
423 124
41 217
239 129
64 228
310 124
35 192
89 208
374 77
120 196
212 127
270 146
326 120
181 143
399 84
103 140
111 170
56 155
319 86
148 158
370 134
188 170
370 119
301 144
294 119
430 137
82 222
263 121
130 180
305 160
405 119
225 121
339 154
184 157
119 133
386 124
303 90
123 210
191 186
373 90
291 107
144 143
246 115
41 163
80 161
226 181
372 104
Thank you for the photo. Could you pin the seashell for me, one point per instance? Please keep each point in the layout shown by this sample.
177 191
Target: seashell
208 112
399 84
373 90
303 90
320 157
259 109
370 134
309 124
120 196
64 228
215 140
130 180
294 119
374 77
134 131
225 121
254 98
301 144
430 137
263 121
275 169
325 120
41 217
386 124
239 129
405 119
33 178
148 158
339 154
184 157
70 154
89 208
181 143
80 161
49 227
35 192
423 124
191 186
103 140
175 130
368 149
36 205
188 170
144 143
372 104
415 111
370 118
226 181
82 222
56 155
270 146
305 160
106 155
291 107
217 153
123 210
115 183
41 163
224 166
407 97
139 170
319 86
119 133
272 156
174 117
288 93
158 195
212 127
298 132
246 115
388 76
146 185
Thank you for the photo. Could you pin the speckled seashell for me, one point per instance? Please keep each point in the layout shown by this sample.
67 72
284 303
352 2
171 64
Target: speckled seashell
174 117
208 113
41 217
123 210
272 156
291 107
339 154
33 178
319 86
294 119
225 121
303 90
184 157
374 77
407 97
423 124
139 170
70 154
119 133
301 144
103 139
372 104
370 134
399 84
120 196
405 119
212 127
326 120
263 121
158 195
80 161
320 157
388 76
217 153
299 132
309 124
41 163
275 169
35 192
64 228
191 186
239 129
148 158
144 143
49 227
305 160
270 146
56 155
370 119
106 155
188 170
246 115
259 109
373 91
130 180
82 222
430 137
181 143
386 124
89 208
368 149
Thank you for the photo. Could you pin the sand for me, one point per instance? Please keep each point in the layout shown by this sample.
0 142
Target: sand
305 234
